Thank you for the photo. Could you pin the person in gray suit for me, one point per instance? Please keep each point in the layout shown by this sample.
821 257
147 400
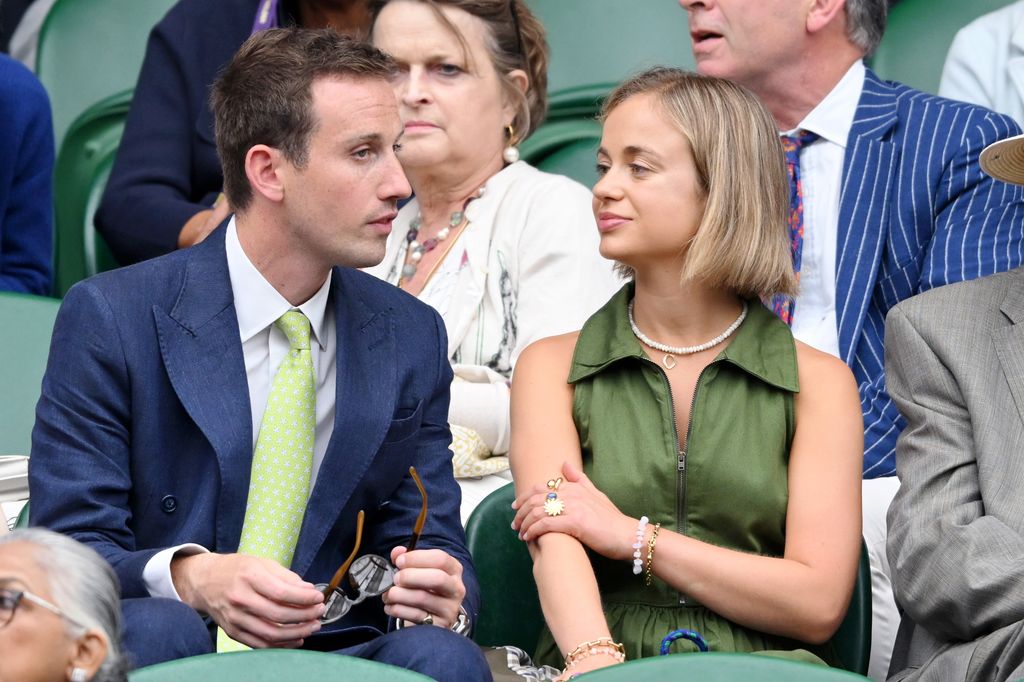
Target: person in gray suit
955 368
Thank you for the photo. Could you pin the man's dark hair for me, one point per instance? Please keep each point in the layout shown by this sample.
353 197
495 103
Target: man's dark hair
264 95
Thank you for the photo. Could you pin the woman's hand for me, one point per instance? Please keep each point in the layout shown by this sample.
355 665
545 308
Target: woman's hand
589 516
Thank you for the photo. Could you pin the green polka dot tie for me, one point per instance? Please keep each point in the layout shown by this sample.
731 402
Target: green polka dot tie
283 461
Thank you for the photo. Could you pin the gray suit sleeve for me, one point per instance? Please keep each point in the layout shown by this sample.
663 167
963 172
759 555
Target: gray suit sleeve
957 571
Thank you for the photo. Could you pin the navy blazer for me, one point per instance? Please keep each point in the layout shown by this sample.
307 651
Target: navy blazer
916 212
143 435
167 168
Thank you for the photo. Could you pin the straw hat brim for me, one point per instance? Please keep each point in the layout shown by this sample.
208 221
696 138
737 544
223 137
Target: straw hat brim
1004 160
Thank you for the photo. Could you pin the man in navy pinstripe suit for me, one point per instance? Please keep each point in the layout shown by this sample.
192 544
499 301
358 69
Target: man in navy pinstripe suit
894 200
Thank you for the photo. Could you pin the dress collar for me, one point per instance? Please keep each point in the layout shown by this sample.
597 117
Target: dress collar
762 346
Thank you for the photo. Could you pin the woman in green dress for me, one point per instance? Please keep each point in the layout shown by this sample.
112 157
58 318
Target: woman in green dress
682 462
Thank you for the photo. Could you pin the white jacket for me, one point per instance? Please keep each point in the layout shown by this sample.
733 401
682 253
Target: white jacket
534 270
985 64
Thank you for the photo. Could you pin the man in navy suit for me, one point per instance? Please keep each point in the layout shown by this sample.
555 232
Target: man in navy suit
160 376
894 201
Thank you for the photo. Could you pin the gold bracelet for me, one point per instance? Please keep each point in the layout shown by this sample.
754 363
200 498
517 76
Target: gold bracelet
603 645
649 573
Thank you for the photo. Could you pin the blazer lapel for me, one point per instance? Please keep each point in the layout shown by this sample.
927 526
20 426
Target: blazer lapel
1009 341
202 354
365 397
868 182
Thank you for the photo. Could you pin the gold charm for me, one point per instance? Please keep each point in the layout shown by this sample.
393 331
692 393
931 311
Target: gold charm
553 506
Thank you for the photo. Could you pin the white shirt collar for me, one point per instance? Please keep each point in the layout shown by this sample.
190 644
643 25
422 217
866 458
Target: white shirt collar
833 117
257 303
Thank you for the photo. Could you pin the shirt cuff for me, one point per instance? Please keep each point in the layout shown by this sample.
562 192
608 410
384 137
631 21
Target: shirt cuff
156 576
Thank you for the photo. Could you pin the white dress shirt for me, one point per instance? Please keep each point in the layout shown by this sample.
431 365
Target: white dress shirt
257 306
821 168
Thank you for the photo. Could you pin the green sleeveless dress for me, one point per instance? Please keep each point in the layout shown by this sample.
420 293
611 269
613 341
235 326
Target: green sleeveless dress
725 482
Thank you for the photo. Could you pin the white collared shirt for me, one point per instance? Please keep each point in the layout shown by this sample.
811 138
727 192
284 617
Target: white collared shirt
821 168
257 306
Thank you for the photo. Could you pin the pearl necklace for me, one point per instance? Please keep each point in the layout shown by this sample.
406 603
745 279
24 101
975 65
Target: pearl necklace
671 351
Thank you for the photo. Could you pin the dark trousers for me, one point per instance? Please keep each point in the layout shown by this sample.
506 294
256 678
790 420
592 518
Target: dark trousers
157 630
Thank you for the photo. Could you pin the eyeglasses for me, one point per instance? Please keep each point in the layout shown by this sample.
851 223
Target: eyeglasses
370 575
11 599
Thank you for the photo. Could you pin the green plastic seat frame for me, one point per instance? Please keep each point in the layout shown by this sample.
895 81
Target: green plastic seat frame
719 667
91 49
24 347
272 665
81 174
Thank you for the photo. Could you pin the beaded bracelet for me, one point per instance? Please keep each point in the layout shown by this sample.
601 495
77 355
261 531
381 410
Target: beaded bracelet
649 576
641 528
596 647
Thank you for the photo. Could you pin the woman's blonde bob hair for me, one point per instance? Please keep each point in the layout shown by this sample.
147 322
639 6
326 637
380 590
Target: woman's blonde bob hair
742 243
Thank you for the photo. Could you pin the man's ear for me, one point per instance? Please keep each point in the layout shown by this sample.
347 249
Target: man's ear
263 166
822 13
88 652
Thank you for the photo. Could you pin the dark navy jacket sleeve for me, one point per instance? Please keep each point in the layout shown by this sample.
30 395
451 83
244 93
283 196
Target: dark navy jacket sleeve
26 182
167 169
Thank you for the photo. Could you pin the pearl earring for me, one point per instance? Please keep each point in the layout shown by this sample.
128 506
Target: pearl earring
78 675
511 153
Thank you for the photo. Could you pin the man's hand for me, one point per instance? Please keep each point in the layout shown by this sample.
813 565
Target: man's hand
256 601
428 582
203 223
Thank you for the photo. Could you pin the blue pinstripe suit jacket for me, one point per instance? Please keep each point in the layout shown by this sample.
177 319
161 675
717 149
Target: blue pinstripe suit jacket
916 212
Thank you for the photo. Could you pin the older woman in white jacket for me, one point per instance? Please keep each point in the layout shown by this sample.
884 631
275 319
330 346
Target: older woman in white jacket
505 253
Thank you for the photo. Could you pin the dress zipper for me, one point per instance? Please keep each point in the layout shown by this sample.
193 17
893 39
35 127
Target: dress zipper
681 450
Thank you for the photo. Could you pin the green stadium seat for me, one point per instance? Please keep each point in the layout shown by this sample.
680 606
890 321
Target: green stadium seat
918 36
83 167
24 348
719 667
567 147
272 665
511 612
604 41
90 49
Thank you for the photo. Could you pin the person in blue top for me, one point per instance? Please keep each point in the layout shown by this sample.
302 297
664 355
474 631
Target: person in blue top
26 182
164 191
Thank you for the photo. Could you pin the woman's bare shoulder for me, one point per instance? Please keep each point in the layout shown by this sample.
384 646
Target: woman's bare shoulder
822 373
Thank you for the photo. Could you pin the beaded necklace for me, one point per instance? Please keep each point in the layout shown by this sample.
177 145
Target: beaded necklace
416 250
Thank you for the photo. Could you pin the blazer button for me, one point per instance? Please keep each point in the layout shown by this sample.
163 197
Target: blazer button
169 504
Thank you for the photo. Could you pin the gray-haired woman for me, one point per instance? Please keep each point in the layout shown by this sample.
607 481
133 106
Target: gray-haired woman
60 617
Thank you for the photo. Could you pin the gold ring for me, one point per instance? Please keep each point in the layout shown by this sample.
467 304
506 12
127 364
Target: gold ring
429 620
552 505
554 483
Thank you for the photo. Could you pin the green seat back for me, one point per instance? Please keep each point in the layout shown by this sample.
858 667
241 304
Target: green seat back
24 348
918 36
90 49
852 640
602 41
272 665
511 612
83 167
719 667
567 147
